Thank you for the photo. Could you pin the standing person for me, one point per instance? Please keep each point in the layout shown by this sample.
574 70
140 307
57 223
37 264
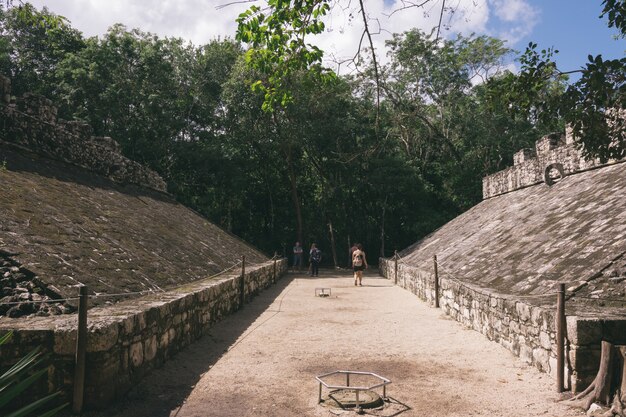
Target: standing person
297 256
359 264
352 249
315 257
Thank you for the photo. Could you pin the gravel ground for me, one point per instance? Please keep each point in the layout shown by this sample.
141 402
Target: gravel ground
262 361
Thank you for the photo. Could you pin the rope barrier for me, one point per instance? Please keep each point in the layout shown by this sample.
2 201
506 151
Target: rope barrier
50 301
124 294
622 300
450 276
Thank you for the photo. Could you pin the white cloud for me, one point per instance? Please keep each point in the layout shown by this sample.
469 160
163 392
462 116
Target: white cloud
201 21
345 26
196 20
518 19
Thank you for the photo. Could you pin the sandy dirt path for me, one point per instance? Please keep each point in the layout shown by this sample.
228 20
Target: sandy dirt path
262 361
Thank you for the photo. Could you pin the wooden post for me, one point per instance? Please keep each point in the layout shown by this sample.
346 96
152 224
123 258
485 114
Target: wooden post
436 282
395 268
81 351
242 282
275 277
560 338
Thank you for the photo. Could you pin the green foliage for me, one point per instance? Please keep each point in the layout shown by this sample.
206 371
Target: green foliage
447 108
19 378
615 11
324 155
32 43
278 46
593 106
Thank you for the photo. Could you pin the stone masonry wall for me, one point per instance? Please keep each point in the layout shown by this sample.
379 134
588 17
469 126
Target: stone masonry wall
525 329
129 339
530 165
31 122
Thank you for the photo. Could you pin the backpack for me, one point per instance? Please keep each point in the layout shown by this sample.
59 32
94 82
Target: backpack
357 258
316 255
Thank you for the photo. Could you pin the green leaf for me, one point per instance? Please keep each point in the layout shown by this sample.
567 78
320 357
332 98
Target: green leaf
25 411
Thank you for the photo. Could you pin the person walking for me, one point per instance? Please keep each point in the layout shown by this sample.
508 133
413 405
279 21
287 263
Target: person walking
315 257
297 256
352 249
359 264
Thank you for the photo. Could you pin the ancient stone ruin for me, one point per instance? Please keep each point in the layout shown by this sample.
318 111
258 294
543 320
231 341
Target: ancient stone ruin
21 293
551 218
74 211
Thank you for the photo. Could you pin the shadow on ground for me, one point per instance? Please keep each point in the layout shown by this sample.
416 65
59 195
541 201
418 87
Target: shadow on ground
162 392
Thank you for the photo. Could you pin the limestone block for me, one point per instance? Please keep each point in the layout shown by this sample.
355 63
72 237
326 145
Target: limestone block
536 316
523 155
552 368
532 330
544 340
523 311
102 336
585 360
128 325
525 352
140 321
150 348
164 340
541 358
584 331
548 143
136 354
497 326
65 341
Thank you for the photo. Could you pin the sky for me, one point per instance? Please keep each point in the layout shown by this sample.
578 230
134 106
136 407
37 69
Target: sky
571 26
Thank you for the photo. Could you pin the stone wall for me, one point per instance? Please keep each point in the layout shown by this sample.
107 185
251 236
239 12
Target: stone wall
532 166
525 328
31 122
129 339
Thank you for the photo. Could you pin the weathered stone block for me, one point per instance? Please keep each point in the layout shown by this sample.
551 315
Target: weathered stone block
523 311
548 143
525 352
523 155
65 342
102 336
544 340
584 331
541 359
136 354
150 348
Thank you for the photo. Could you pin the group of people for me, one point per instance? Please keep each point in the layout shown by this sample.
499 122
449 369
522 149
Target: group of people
358 260
315 257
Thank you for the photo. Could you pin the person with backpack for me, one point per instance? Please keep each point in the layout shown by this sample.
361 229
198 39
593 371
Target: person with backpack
359 264
352 249
315 257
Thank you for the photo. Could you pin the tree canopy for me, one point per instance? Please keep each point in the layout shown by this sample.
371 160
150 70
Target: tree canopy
383 158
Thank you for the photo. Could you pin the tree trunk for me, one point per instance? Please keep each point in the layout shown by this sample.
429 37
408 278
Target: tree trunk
349 247
382 230
332 241
287 150
296 203
611 374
